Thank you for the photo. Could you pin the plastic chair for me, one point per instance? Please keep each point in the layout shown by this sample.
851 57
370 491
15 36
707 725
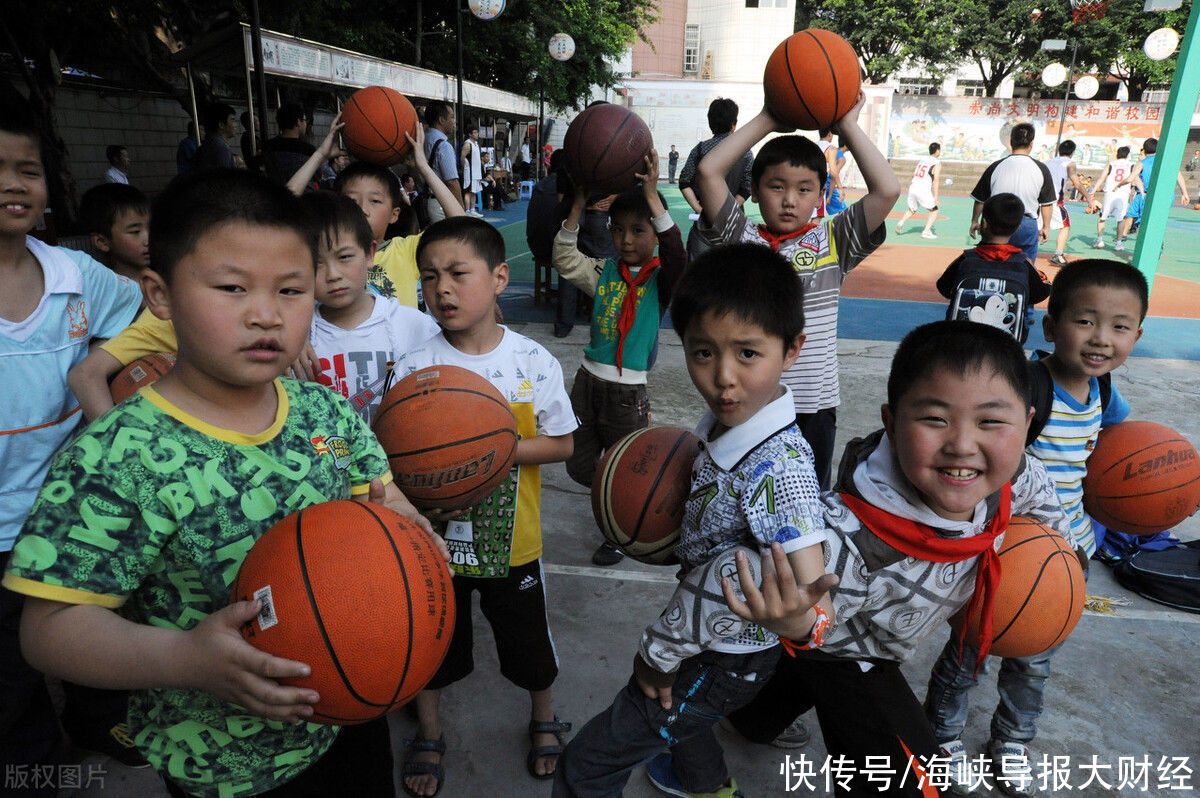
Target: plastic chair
526 190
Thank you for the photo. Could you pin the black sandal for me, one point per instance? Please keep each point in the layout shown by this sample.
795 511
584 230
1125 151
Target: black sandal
411 768
536 752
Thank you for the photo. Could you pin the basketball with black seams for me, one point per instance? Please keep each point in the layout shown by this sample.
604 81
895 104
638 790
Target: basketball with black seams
1040 596
358 593
812 79
605 148
639 492
1142 478
450 437
141 372
376 119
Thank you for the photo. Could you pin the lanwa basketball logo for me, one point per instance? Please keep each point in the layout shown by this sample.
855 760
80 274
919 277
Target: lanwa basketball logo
448 475
1169 461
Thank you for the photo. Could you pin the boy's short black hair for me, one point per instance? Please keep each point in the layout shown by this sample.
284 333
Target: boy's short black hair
1067 148
1122 152
1150 146
1101 272
958 347
935 148
750 281
792 150
722 115
633 201
112 152
196 202
382 174
1003 213
289 115
1021 135
17 119
215 116
481 236
333 214
101 205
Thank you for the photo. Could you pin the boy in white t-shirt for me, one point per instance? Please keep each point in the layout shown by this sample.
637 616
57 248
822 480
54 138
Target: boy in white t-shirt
1115 181
497 543
355 332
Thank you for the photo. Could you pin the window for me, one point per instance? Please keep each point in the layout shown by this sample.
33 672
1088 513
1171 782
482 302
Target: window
1156 94
917 86
691 49
971 88
766 3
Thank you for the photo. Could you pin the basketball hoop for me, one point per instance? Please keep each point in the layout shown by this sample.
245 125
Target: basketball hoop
1083 10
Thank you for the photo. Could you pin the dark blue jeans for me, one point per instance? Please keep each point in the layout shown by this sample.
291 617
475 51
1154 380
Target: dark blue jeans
599 759
1026 238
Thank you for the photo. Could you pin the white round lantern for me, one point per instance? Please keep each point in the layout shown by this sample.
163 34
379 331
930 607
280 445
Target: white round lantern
1054 74
562 47
486 9
1161 44
1086 87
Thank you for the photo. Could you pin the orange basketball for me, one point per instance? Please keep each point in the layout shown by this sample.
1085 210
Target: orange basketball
1196 207
140 372
1141 478
812 79
640 488
376 120
1040 596
449 434
605 147
358 593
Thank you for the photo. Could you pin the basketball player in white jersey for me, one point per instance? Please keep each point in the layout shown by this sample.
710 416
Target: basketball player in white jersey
1115 181
1062 169
923 190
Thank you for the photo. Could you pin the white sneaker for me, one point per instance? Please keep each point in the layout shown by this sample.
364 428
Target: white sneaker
927 234
960 777
1099 244
899 229
1119 246
1010 766
1058 259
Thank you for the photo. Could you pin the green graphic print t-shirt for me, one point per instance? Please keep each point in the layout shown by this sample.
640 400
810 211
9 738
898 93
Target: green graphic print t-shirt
150 512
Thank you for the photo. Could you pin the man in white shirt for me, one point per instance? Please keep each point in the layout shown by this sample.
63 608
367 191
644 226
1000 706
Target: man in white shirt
118 159
1026 177
923 190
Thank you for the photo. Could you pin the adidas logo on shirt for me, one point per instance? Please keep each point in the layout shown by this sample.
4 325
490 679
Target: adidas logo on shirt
527 583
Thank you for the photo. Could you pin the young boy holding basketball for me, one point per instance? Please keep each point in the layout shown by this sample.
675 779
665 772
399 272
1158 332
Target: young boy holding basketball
788 177
355 333
631 294
917 512
498 543
53 303
128 557
1095 317
753 486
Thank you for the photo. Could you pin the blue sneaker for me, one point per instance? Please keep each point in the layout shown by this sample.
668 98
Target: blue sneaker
662 776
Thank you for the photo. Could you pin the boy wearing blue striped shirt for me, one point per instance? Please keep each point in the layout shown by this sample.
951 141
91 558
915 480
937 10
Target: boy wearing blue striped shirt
1095 317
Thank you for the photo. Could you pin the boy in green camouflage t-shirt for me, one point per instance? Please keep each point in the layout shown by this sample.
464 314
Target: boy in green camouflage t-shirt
131 549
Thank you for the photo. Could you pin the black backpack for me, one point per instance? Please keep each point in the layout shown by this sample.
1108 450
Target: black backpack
993 292
1170 576
1041 389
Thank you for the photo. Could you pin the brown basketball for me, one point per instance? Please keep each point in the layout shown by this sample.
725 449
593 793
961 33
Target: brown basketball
358 593
139 373
449 435
376 120
1040 596
605 147
1141 478
812 79
640 488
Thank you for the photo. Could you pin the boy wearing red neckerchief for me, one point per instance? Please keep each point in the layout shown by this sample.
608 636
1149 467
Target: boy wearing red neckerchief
917 513
631 292
787 181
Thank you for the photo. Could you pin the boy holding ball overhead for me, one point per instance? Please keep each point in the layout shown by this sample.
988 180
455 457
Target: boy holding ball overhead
129 555
787 181
1094 319
463 272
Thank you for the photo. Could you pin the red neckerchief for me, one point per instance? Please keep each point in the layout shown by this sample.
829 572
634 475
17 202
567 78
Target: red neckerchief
774 241
996 251
921 541
629 301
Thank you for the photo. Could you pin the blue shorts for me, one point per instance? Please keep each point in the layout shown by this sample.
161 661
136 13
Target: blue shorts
1135 206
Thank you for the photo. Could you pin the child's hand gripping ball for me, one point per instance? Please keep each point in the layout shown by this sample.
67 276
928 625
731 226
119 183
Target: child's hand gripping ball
361 595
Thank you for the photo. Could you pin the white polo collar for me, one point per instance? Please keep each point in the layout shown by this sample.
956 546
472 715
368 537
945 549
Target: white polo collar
736 442
59 273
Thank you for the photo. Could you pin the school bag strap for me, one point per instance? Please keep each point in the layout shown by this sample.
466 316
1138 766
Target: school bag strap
1041 389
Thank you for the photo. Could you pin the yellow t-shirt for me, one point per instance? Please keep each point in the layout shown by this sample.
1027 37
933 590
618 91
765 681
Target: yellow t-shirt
394 273
145 336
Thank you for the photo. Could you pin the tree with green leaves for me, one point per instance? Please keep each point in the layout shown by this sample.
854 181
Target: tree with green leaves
1113 44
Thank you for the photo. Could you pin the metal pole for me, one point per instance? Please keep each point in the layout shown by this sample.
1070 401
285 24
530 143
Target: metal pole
458 110
253 125
537 147
1062 117
1160 194
261 74
195 112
